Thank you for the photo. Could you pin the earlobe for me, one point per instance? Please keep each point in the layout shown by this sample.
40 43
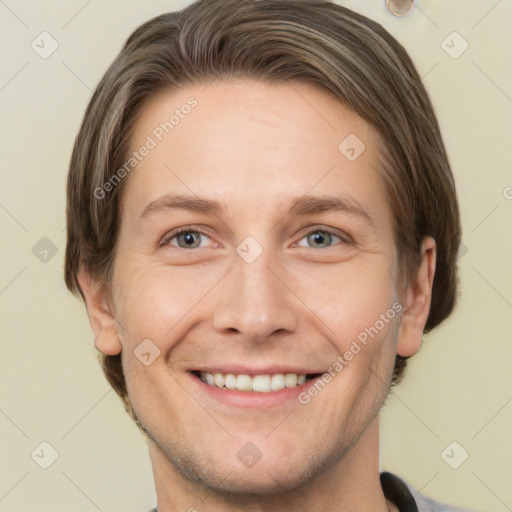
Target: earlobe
103 323
417 300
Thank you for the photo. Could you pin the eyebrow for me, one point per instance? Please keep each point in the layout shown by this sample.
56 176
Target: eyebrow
304 205
183 202
308 205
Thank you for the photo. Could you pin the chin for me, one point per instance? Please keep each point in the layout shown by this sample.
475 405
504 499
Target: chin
280 466
265 481
267 477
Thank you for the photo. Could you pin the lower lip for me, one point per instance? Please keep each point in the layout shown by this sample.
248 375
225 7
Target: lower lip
252 399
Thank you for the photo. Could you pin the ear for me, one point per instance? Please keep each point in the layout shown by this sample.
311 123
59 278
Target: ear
418 296
103 323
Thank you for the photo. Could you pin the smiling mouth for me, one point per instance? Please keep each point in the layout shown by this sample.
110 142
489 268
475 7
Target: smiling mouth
264 383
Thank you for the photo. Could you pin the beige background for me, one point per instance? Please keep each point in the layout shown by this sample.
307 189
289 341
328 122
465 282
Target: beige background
457 389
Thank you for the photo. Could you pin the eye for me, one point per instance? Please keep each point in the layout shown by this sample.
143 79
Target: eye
187 239
319 239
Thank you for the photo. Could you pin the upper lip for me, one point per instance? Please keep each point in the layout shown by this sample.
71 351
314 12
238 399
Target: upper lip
254 370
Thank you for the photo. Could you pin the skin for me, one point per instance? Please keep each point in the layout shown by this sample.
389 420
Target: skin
255 148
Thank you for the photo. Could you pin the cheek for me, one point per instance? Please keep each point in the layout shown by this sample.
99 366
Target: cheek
350 298
154 300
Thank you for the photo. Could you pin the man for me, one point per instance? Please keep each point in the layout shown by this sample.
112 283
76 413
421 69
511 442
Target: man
258 202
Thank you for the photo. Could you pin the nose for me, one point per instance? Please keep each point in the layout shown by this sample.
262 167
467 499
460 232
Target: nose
256 301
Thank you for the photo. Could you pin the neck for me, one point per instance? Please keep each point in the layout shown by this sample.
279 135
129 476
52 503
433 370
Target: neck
350 484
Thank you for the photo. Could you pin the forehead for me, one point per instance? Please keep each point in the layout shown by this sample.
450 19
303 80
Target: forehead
253 145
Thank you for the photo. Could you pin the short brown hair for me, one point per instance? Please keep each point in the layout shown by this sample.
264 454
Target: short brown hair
277 41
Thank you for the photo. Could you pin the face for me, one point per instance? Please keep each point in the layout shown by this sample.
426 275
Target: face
255 258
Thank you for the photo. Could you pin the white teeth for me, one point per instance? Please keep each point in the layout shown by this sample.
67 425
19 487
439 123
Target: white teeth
261 383
290 380
230 381
258 383
244 383
218 379
277 382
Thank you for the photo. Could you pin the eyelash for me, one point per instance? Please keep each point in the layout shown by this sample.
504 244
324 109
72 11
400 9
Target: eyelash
345 239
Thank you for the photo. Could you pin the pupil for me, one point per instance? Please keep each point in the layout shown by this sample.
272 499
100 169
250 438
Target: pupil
189 239
320 238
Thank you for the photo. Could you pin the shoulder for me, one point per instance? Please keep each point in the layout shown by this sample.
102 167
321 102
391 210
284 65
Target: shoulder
407 498
426 504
